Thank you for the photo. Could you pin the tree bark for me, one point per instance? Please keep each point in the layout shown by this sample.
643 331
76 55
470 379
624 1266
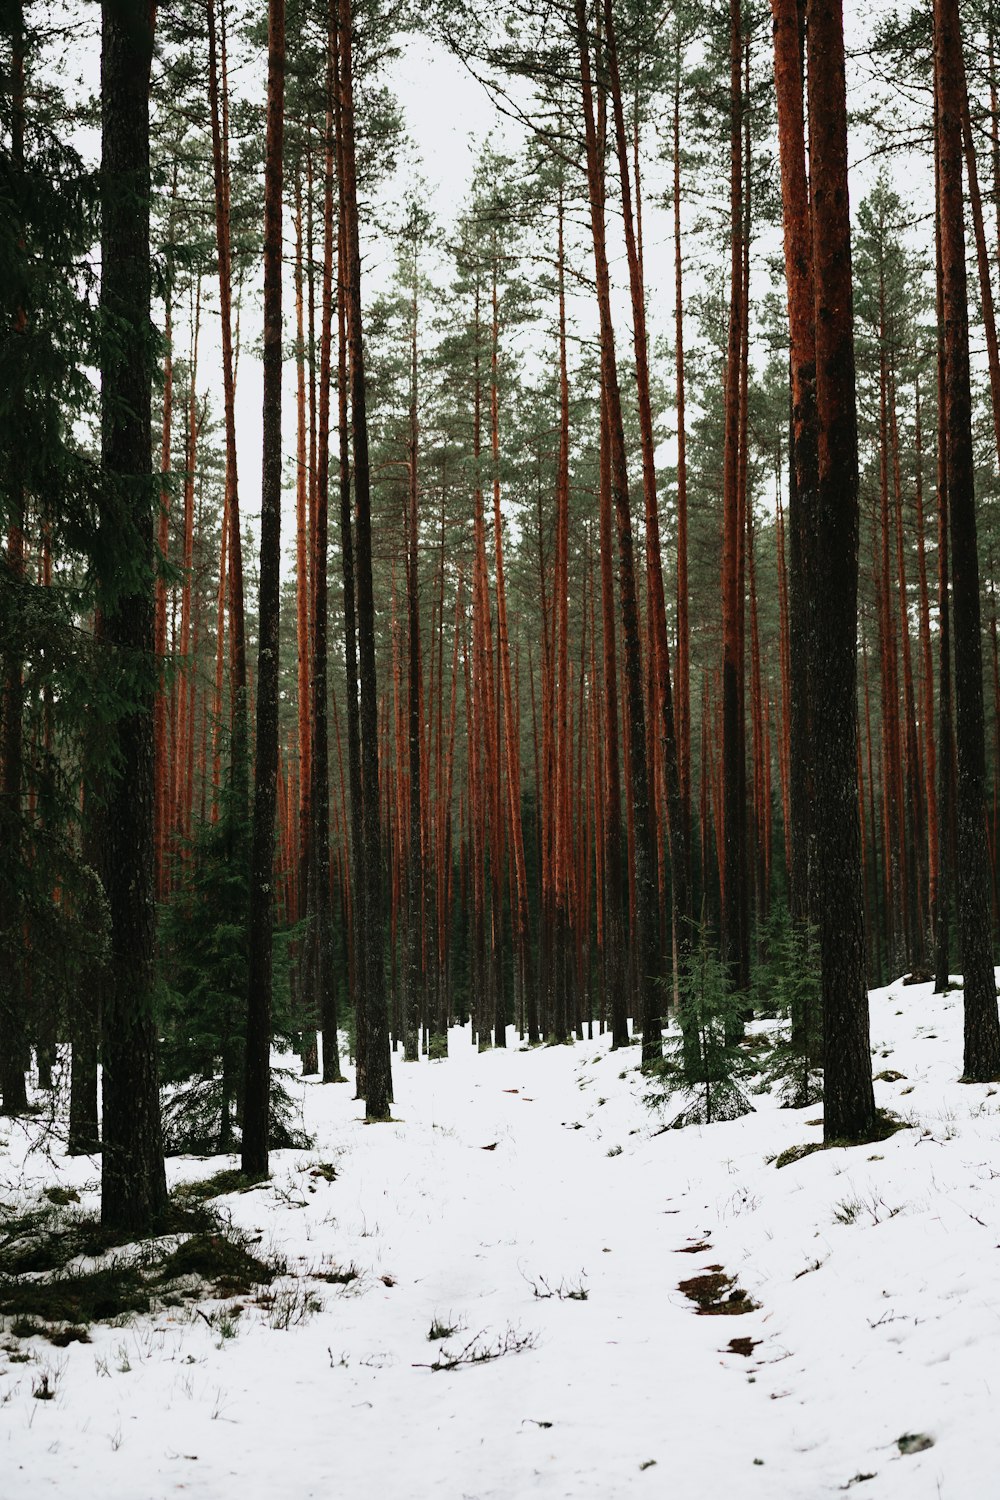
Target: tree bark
13 1039
512 749
220 159
357 839
414 860
319 801
788 22
849 1109
683 697
982 1026
659 646
378 1077
643 863
302 601
257 1089
133 1184
734 908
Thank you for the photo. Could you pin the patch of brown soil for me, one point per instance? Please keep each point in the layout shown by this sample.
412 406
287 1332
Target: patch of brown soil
716 1294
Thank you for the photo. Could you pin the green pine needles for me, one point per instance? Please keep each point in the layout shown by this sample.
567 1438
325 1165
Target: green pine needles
203 949
708 1069
787 984
700 1076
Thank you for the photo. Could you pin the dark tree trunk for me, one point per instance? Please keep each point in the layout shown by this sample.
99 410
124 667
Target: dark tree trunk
941 914
378 1078
849 1100
133 1187
982 1026
927 692
256 1102
789 36
13 1042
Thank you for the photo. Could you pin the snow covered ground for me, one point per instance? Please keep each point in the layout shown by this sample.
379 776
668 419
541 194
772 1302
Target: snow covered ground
876 1271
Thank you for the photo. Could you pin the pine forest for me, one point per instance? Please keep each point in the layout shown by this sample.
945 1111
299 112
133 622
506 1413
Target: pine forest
499 748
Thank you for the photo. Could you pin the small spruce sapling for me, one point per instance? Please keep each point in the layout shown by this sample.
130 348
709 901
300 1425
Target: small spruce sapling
702 1067
203 993
788 985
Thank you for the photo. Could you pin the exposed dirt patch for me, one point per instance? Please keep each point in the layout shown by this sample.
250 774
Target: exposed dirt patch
716 1294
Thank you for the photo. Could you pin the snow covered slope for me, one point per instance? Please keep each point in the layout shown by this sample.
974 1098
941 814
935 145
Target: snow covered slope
530 1201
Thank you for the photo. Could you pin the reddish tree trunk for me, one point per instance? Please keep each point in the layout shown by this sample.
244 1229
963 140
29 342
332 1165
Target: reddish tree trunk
643 870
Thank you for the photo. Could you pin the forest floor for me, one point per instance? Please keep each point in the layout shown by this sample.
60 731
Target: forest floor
533 1204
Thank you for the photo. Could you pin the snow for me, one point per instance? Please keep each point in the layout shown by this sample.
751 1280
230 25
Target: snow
875 1270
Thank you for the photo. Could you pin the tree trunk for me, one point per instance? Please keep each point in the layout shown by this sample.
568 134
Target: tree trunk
982 1026
512 749
302 602
414 860
788 21
643 864
256 1103
133 1184
683 699
319 801
659 646
734 911
927 686
160 760
357 839
914 847
946 751
849 1110
13 1040
220 159
378 1077
895 869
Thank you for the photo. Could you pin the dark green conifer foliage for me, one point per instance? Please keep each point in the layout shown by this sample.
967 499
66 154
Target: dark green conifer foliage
204 960
48 202
702 1068
787 983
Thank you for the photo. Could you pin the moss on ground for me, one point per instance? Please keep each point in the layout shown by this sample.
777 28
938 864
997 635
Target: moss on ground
886 1124
229 1180
221 1260
50 1285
